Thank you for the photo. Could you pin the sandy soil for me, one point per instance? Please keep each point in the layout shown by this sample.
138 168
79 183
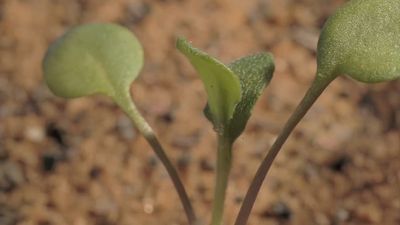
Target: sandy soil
81 162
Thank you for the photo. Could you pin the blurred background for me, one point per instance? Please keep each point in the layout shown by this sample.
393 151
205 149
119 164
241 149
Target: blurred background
81 162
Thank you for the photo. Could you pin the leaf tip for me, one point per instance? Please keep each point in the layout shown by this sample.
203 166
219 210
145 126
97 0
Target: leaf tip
182 44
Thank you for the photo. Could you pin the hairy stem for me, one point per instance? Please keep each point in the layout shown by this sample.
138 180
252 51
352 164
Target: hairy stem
224 158
144 128
317 87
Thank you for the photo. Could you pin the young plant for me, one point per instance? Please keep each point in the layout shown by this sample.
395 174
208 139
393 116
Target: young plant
105 59
361 40
232 92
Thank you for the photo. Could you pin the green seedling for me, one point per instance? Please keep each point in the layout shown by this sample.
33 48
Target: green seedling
232 92
105 59
361 40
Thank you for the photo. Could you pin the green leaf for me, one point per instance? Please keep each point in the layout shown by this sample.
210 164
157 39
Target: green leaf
221 84
362 40
254 72
92 59
244 79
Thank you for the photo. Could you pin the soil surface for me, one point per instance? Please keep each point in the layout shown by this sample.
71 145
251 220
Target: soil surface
81 162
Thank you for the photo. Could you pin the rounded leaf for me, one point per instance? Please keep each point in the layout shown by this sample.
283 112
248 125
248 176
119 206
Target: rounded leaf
362 40
91 59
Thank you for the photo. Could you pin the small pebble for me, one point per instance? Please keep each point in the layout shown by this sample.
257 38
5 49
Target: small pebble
281 210
152 161
35 134
56 134
137 12
95 172
125 128
207 165
278 210
184 161
49 162
167 117
339 164
11 176
238 199
342 215
148 205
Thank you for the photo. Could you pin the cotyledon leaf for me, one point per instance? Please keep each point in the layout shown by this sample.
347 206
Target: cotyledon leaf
255 72
362 40
91 59
221 84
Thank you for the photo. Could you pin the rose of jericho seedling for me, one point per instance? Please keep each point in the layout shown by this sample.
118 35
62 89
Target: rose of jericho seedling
232 92
361 40
105 59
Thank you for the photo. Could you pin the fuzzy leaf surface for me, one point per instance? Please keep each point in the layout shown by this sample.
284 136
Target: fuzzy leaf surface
254 72
362 40
92 59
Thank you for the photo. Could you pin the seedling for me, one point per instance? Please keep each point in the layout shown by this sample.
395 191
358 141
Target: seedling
361 40
105 59
232 92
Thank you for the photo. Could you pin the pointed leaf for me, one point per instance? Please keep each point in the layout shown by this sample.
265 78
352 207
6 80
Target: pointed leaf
221 84
362 40
94 58
254 72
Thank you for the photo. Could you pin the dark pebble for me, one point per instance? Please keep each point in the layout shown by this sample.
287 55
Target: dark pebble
368 103
56 133
167 117
278 210
49 162
206 165
339 164
137 12
184 162
238 199
95 172
152 161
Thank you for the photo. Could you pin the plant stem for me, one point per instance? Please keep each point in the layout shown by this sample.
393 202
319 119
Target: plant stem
144 128
317 87
224 158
